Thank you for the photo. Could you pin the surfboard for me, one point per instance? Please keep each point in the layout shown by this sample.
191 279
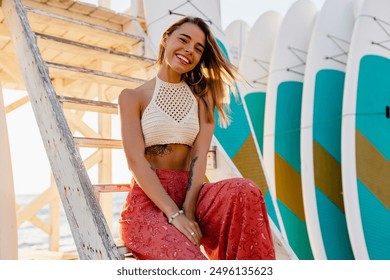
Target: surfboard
283 119
159 15
8 228
366 133
236 34
322 99
254 69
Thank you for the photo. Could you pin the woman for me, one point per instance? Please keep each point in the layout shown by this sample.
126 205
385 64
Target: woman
167 126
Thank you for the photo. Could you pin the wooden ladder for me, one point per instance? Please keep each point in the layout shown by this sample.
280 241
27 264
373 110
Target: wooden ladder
89 227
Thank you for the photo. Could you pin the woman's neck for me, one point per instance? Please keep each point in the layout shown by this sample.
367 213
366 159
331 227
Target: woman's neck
168 75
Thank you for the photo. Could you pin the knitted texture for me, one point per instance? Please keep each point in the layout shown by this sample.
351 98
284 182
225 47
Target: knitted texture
171 117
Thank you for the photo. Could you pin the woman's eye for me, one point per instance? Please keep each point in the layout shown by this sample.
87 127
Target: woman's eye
182 40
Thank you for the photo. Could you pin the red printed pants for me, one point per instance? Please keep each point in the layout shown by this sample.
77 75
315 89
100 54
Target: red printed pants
231 214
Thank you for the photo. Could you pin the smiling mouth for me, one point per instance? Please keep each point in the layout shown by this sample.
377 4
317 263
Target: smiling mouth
183 58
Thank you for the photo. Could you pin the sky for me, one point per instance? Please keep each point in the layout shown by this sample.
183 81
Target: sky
29 161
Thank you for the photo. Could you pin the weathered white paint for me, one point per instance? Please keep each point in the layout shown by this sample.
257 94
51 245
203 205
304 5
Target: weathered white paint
89 228
8 228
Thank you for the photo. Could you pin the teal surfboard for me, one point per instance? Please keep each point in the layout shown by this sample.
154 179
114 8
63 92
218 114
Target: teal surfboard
322 102
366 134
283 122
237 141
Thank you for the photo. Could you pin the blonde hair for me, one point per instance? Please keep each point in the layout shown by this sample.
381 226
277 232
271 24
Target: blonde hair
213 75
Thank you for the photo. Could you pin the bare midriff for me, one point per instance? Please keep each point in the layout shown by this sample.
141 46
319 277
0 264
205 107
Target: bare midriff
169 156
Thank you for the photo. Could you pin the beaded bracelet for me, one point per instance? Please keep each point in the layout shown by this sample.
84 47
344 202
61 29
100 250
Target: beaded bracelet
174 216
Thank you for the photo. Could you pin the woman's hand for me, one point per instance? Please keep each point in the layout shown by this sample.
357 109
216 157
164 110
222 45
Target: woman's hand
189 227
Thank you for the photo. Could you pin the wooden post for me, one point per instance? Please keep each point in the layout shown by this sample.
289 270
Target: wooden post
89 228
8 227
105 165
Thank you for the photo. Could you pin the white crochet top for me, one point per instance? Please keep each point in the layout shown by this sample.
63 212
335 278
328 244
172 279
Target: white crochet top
171 117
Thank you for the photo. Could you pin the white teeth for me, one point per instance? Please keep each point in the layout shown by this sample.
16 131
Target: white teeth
183 58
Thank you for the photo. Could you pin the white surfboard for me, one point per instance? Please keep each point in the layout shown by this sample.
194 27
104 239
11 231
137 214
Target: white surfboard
322 99
366 133
159 15
254 69
282 121
236 34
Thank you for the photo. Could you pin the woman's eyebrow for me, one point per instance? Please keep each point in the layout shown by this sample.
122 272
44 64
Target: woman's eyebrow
189 37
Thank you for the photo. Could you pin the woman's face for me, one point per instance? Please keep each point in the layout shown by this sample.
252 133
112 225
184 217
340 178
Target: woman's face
184 47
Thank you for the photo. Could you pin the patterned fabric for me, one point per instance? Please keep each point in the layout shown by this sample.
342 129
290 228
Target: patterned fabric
231 214
171 116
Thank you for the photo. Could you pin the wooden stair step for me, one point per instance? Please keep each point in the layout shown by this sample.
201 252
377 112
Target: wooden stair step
134 39
101 143
82 104
124 252
81 70
105 188
110 188
148 61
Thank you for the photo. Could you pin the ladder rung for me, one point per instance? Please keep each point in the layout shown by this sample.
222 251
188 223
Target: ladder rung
83 23
124 252
88 105
98 143
110 188
103 188
94 72
94 48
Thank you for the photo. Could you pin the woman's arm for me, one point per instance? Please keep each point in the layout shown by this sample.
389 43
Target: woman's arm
134 147
198 160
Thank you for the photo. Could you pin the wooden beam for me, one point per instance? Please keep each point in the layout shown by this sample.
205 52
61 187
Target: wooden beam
102 188
98 143
93 159
84 24
81 126
88 105
78 79
18 103
89 228
105 166
31 209
78 10
94 48
34 220
8 228
94 72
110 188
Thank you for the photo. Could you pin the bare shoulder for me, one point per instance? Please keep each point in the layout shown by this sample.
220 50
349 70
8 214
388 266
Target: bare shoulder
131 97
